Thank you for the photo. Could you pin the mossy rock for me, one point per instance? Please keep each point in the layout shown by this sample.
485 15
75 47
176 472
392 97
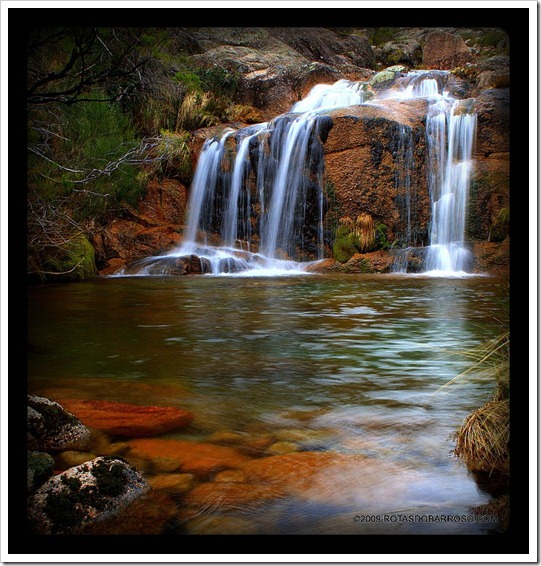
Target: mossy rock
74 261
382 77
40 467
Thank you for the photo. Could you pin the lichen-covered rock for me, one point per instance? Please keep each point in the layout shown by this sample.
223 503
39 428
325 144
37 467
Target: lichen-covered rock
39 468
51 428
84 495
443 50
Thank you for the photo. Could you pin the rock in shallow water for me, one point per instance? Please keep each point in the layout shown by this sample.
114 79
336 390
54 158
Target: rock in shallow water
84 495
40 467
124 419
198 458
51 428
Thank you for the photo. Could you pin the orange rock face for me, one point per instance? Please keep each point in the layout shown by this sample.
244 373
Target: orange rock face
123 419
196 458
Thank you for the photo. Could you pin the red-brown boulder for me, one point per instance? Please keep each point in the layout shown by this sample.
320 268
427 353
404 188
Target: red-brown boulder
124 419
197 458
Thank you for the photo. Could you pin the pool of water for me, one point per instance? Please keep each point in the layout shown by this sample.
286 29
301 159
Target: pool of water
342 379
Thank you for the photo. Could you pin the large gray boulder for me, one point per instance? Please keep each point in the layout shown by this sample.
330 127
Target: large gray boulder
50 428
84 495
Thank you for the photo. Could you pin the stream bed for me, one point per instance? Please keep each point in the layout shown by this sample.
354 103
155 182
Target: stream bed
326 396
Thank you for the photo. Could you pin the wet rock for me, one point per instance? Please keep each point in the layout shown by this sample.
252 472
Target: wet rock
125 239
51 428
373 262
83 495
226 437
232 496
257 445
172 483
385 78
71 458
493 122
328 265
219 525
230 476
362 156
127 420
492 257
282 447
306 438
148 515
156 223
198 458
39 468
303 474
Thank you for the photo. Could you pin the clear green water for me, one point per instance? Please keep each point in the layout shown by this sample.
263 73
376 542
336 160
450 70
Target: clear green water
354 361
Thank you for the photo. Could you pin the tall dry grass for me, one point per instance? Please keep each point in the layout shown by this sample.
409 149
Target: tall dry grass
482 440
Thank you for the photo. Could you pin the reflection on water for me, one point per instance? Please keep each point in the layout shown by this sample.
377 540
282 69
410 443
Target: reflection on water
334 377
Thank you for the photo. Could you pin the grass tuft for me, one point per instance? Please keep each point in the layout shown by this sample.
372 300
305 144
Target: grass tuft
482 441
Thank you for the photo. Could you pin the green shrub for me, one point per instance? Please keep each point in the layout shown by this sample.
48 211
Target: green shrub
499 228
381 241
492 38
74 260
379 36
345 245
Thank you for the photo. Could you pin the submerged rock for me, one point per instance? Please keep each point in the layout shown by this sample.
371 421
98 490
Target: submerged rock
125 419
197 458
84 495
232 496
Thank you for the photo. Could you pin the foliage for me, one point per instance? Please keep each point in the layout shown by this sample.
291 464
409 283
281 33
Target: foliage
64 64
379 36
359 235
73 260
345 244
499 229
468 72
172 156
381 241
482 441
492 38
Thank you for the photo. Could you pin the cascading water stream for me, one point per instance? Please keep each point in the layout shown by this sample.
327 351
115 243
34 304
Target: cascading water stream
205 178
449 185
288 173
265 210
450 132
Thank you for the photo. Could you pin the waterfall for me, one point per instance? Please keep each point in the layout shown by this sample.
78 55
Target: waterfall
450 131
263 209
274 183
206 175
